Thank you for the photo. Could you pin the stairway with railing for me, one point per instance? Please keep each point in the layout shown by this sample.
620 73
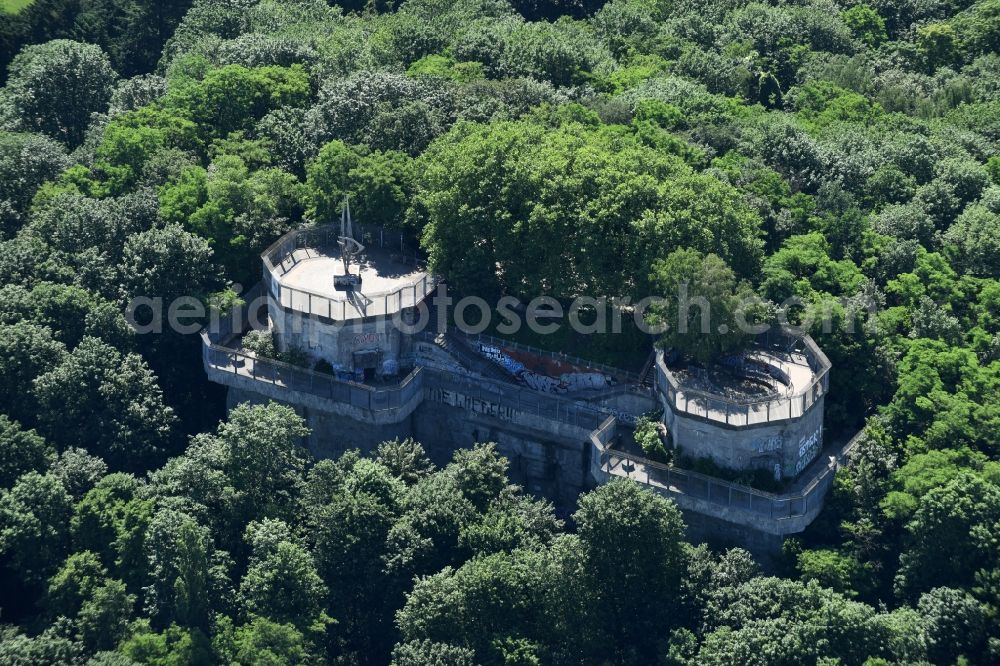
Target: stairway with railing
462 351
647 376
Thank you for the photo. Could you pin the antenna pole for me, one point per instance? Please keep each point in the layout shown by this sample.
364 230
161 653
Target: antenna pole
348 248
345 233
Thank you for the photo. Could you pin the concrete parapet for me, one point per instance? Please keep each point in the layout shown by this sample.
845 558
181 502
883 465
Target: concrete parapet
777 514
781 432
315 390
299 269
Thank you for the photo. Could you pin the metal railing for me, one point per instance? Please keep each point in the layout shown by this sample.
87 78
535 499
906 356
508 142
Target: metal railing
475 390
717 491
480 394
521 401
619 374
295 378
358 306
676 481
745 412
281 257
327 235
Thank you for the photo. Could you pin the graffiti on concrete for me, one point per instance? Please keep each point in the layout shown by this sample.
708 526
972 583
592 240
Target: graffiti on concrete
368 339
768 444
570 381
809 446
475 405
625 417
586 380
498 356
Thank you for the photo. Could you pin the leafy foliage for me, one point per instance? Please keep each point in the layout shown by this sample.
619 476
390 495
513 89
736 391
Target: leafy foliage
839 159
53 88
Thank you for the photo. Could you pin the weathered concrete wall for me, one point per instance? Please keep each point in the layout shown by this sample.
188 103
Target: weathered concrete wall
547 441
548 449
790 444
550 462
331 434
545 461
336 342
626 405
719 533
430 355
354 406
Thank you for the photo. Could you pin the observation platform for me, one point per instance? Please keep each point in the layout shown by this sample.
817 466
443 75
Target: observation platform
760 410
781 378
300 269
310 270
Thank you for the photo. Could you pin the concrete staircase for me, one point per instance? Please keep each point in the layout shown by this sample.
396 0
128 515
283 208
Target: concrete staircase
648 373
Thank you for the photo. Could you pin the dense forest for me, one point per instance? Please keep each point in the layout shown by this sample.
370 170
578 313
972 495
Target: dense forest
829 150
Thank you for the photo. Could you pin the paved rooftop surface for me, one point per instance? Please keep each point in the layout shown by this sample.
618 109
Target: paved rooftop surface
762 410
795 365
313 270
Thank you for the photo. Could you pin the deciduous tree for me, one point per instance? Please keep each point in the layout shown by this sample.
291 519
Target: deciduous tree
56 86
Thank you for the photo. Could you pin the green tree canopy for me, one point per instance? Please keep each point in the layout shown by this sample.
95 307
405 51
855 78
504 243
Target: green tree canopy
633 563
21 451
34 522
54 87
707 311
281 582
108 402
513 207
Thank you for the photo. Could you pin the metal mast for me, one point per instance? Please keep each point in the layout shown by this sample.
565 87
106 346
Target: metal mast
349 248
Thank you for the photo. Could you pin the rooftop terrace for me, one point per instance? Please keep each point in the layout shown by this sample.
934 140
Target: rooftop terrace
300 268
790 373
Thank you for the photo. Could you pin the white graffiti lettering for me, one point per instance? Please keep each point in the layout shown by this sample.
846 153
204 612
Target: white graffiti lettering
475 405
809 446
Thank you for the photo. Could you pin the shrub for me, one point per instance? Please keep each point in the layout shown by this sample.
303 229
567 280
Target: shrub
260 343
647 436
